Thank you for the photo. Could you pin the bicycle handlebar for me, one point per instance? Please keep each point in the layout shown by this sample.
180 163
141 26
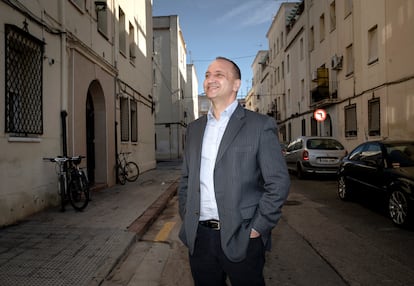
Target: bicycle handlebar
61 159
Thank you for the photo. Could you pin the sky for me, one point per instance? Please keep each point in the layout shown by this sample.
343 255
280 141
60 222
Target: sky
235 29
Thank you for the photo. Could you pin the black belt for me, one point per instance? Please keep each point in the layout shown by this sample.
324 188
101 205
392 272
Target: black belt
212 223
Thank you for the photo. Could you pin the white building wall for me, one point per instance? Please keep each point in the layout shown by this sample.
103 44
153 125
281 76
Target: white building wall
170 71
78 60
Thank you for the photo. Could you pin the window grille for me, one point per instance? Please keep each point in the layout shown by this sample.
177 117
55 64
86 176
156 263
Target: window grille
23 80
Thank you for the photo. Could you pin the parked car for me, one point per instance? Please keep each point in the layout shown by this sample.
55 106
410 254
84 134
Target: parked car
382 170
314 155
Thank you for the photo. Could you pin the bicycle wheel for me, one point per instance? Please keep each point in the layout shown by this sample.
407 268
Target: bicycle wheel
121 175
62 192
131 171
79 191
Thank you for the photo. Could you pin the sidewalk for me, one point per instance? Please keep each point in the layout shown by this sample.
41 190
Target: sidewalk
81 248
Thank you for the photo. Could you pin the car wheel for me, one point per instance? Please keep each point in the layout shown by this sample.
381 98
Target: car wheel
398 208
344 192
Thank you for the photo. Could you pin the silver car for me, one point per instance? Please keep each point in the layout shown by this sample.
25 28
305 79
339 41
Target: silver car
314 155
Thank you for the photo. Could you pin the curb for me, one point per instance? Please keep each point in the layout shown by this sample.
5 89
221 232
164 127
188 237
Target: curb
143 222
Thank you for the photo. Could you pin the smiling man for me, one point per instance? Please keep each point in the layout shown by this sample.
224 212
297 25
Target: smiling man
233 185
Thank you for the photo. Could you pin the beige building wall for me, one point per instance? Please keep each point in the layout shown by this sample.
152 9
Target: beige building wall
260 97
285 70
383 68
84 76
341 56
249 100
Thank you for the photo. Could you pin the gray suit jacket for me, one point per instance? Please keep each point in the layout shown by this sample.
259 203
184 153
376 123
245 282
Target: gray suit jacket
251 181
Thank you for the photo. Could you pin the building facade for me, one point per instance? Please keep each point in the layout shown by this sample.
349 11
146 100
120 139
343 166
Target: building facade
349 58
175 88
77 80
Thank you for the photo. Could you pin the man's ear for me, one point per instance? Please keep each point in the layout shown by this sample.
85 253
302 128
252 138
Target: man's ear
236 85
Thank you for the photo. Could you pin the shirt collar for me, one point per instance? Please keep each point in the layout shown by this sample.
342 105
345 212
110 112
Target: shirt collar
226 113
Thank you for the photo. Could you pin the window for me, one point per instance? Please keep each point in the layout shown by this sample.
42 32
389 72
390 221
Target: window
124 119
277 46
102 16
348 7
301 49
281 40
303 127
349 60
350 121
23 82
371 152
374 117
373 45
333 15
314 126
122 32
283 70
322 27
278 74
302 91
79 3
289 131
288 63
134 121
132 43
312 39
355 155
284 101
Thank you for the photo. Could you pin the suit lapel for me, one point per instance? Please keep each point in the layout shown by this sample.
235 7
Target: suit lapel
199 134
235 123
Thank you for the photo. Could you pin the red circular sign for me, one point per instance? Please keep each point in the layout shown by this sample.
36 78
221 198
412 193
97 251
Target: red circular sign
319 114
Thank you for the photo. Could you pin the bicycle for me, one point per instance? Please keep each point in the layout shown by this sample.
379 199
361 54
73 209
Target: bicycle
73 184
126 170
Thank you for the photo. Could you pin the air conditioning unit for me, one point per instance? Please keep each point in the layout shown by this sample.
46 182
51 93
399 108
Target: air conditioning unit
314 76
336 62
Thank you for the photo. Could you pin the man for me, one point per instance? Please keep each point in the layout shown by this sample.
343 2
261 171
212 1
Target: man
233 185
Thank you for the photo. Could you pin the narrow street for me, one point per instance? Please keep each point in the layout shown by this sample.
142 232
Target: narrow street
320 240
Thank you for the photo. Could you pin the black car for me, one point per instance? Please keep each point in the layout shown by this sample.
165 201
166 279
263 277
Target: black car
385 168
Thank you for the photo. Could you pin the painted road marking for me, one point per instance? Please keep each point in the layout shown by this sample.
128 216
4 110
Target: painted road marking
163 234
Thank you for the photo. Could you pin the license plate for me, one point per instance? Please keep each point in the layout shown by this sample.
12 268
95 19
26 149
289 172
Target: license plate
328 160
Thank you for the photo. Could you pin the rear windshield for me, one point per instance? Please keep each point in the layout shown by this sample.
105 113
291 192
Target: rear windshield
324 144
402 154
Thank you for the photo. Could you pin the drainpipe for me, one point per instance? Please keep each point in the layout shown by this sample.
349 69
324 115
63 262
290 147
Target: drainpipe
63 115
63 75
115 64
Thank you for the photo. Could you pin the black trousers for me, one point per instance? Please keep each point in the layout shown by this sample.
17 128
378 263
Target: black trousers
210 267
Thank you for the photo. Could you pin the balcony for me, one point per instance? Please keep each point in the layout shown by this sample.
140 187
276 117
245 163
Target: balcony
325 92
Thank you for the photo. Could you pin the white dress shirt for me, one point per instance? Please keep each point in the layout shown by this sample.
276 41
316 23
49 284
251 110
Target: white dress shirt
211 141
